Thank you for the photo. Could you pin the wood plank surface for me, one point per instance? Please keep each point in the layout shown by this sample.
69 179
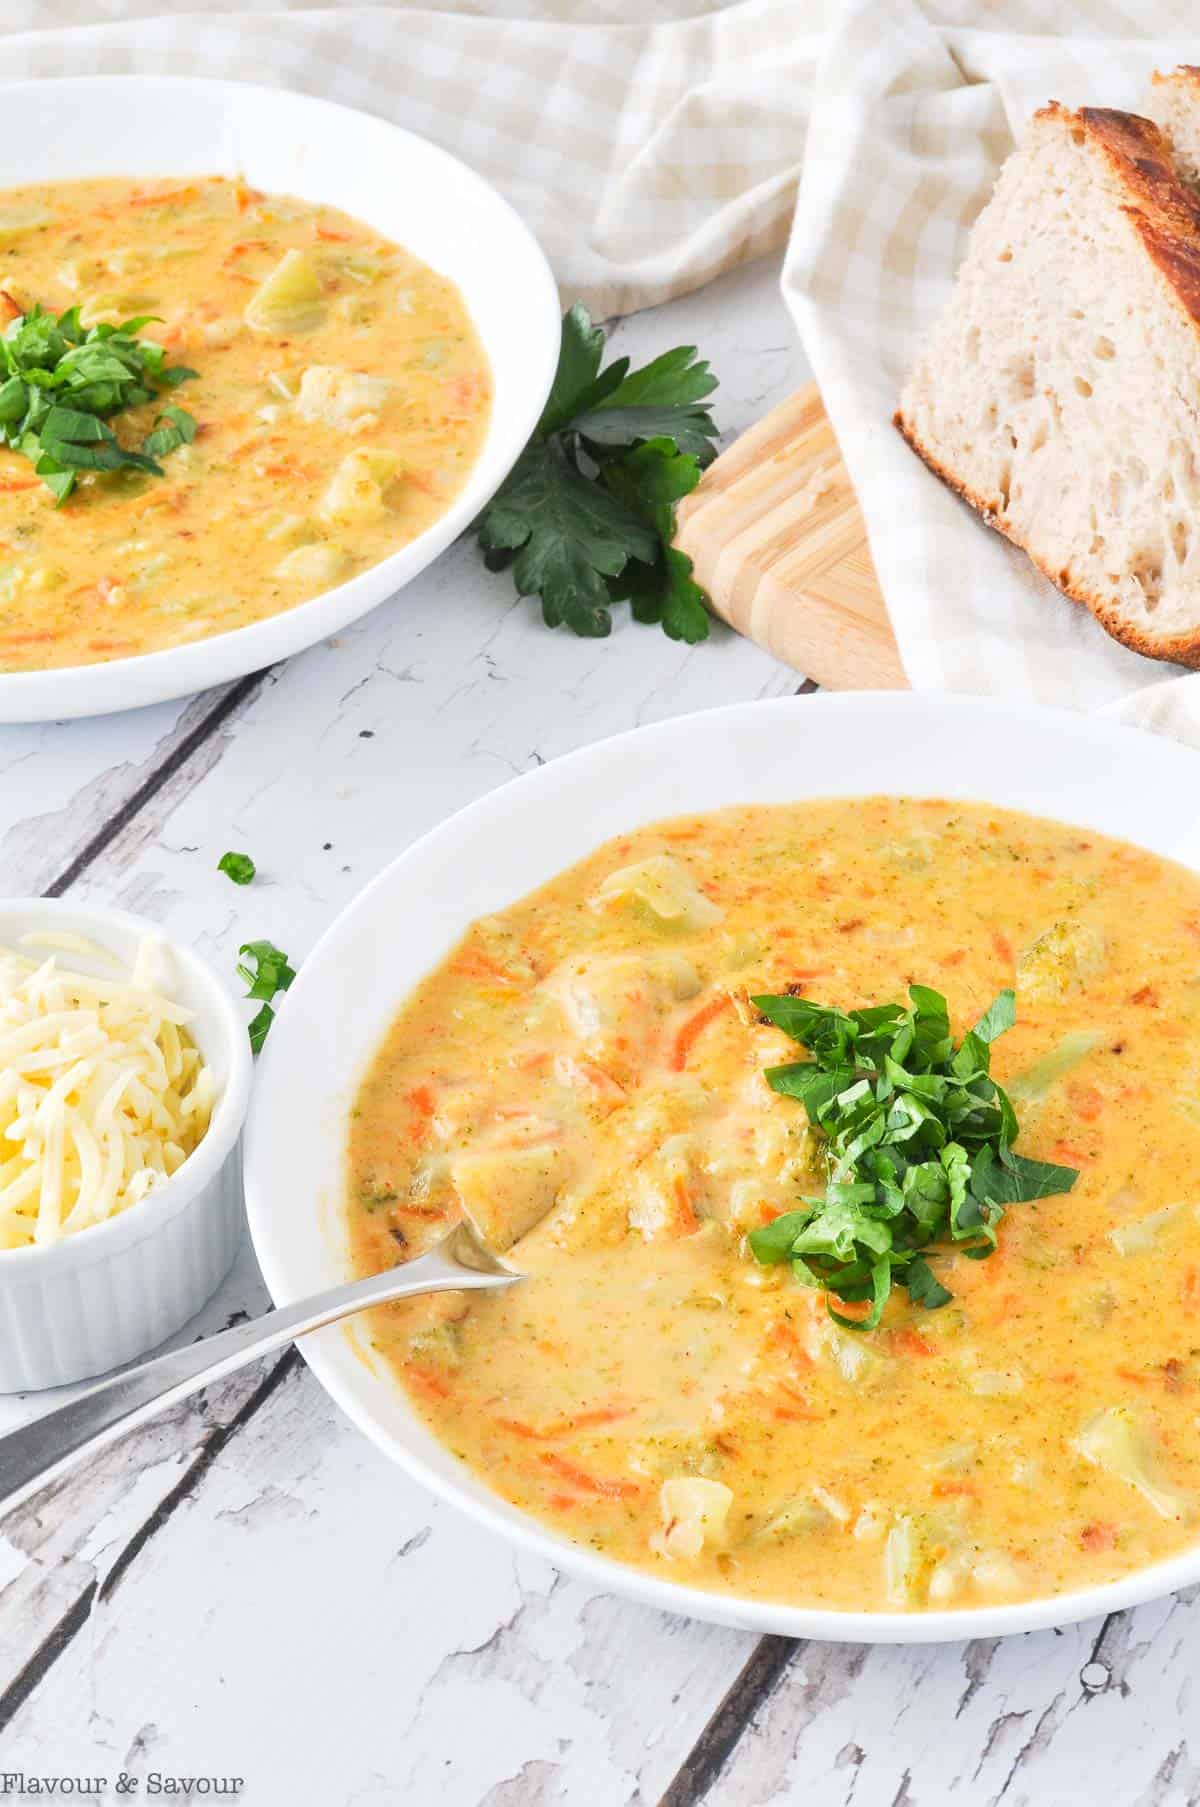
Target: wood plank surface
777 539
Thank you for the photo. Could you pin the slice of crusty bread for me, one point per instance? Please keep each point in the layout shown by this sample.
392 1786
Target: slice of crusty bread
1173 103
1060 392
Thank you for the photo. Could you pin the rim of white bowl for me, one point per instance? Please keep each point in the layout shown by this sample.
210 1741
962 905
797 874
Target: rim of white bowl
499 1516
60 693
99 1241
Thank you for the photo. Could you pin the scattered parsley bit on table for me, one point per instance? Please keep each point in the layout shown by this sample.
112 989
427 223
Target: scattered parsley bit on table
60 384
918 1140
270 974
237 866
587 516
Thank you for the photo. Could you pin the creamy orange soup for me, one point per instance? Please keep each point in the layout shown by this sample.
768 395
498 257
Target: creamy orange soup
586 1068
342 396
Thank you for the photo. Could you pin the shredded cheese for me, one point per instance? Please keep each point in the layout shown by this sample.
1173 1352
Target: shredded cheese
103 1093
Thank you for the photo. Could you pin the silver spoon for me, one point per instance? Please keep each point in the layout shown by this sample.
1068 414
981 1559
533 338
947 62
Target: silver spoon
37 1453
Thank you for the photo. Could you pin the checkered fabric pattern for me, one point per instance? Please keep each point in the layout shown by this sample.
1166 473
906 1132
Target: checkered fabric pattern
916 104
649 150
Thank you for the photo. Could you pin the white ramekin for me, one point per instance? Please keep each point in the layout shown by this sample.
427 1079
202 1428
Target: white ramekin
111 1292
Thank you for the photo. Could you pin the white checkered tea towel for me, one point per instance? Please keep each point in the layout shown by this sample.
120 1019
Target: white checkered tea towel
649 146
916 105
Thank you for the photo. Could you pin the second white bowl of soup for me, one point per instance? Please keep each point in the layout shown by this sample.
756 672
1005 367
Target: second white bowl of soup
318 291
546 1013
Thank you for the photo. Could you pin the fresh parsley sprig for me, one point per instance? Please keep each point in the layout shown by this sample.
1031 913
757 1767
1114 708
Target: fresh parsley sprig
587 516
61 383
237 866
266 972
918 1140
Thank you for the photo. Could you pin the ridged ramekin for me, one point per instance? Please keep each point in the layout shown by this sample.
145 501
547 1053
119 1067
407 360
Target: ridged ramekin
111 1292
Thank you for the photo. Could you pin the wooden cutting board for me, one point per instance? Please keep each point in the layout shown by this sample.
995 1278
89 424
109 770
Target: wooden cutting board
778 541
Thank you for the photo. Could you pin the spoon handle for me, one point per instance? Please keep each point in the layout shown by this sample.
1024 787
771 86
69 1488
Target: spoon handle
37 1453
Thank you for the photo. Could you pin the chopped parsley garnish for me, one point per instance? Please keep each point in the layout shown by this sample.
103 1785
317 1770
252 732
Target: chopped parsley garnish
266 971
237 866
917 1137
61 383
587 516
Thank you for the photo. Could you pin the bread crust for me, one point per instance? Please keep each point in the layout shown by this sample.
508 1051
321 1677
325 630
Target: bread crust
1163 210
1180 649
1166 218
1186 73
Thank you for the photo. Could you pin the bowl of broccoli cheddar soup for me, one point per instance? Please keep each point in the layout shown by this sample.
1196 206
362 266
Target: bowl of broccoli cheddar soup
833 1070
255 372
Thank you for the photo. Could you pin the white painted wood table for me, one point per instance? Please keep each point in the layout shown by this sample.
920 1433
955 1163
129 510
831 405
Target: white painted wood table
248 1589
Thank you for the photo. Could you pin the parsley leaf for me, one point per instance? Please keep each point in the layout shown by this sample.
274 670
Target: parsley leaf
650 480
569 536
237 866
918 1140
258 1027
668 593
60 383
265 970
577 382
586 519
660 401
173 428
998 1017
924 1288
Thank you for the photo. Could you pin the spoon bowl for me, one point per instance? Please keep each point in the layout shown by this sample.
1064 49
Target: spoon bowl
38 1453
